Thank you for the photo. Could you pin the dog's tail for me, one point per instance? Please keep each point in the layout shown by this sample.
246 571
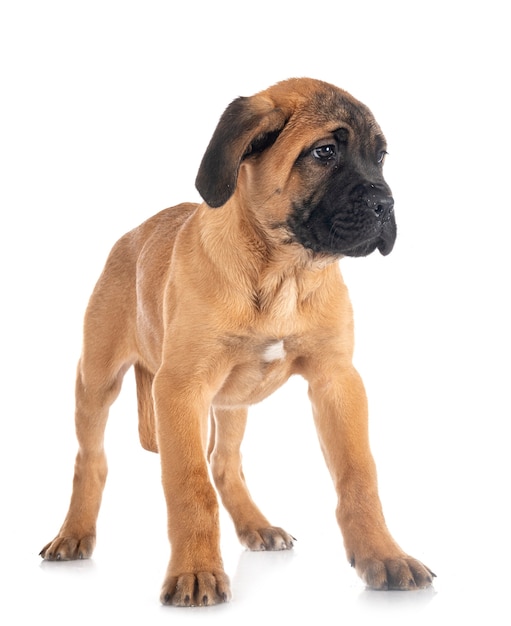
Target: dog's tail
146 422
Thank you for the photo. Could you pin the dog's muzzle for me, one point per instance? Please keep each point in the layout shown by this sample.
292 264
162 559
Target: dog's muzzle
347 224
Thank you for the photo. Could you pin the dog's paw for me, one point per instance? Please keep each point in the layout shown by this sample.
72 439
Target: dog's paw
403 574
68 548
272 538
197 589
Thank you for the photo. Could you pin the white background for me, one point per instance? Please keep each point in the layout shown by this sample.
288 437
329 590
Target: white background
106 109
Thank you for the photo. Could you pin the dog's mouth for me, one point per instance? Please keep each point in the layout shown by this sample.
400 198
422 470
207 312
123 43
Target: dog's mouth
383 242
388 239
353 234
351 218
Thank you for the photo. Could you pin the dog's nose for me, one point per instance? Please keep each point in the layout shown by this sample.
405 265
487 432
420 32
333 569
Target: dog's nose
380 202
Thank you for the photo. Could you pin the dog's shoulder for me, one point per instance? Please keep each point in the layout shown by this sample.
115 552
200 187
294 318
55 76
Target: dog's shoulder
167 221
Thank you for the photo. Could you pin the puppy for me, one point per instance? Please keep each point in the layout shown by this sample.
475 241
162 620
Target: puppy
216 305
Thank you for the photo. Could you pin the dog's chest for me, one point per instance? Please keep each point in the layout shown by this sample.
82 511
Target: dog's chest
260 370
274 352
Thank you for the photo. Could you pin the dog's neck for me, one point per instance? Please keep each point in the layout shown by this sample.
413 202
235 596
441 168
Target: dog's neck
278 277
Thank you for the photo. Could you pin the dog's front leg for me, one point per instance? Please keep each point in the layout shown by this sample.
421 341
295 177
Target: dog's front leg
195 575
340 412
253 529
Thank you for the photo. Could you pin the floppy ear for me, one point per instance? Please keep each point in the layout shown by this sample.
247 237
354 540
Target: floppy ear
247 125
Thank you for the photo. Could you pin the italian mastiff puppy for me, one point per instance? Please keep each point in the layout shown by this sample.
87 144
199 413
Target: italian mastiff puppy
216 305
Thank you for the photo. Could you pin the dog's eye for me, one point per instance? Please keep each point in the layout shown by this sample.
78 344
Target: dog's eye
325 153
381 156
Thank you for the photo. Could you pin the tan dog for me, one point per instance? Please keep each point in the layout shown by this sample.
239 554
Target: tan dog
217 307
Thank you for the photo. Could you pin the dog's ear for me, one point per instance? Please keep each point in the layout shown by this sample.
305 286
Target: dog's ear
248 125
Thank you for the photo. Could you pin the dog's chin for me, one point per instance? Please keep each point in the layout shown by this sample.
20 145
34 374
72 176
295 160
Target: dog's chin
383 246
384 243
364 249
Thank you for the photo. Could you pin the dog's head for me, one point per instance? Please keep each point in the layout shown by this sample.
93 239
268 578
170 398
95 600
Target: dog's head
306 158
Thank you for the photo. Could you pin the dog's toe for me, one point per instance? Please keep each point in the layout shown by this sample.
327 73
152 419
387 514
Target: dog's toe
405 574
271 538
196 589
68 548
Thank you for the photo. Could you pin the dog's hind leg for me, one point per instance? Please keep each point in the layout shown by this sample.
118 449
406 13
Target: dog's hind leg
105 358
146 421
253 529
77 537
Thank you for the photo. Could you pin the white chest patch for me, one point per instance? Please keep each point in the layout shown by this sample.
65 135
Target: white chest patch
274 351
